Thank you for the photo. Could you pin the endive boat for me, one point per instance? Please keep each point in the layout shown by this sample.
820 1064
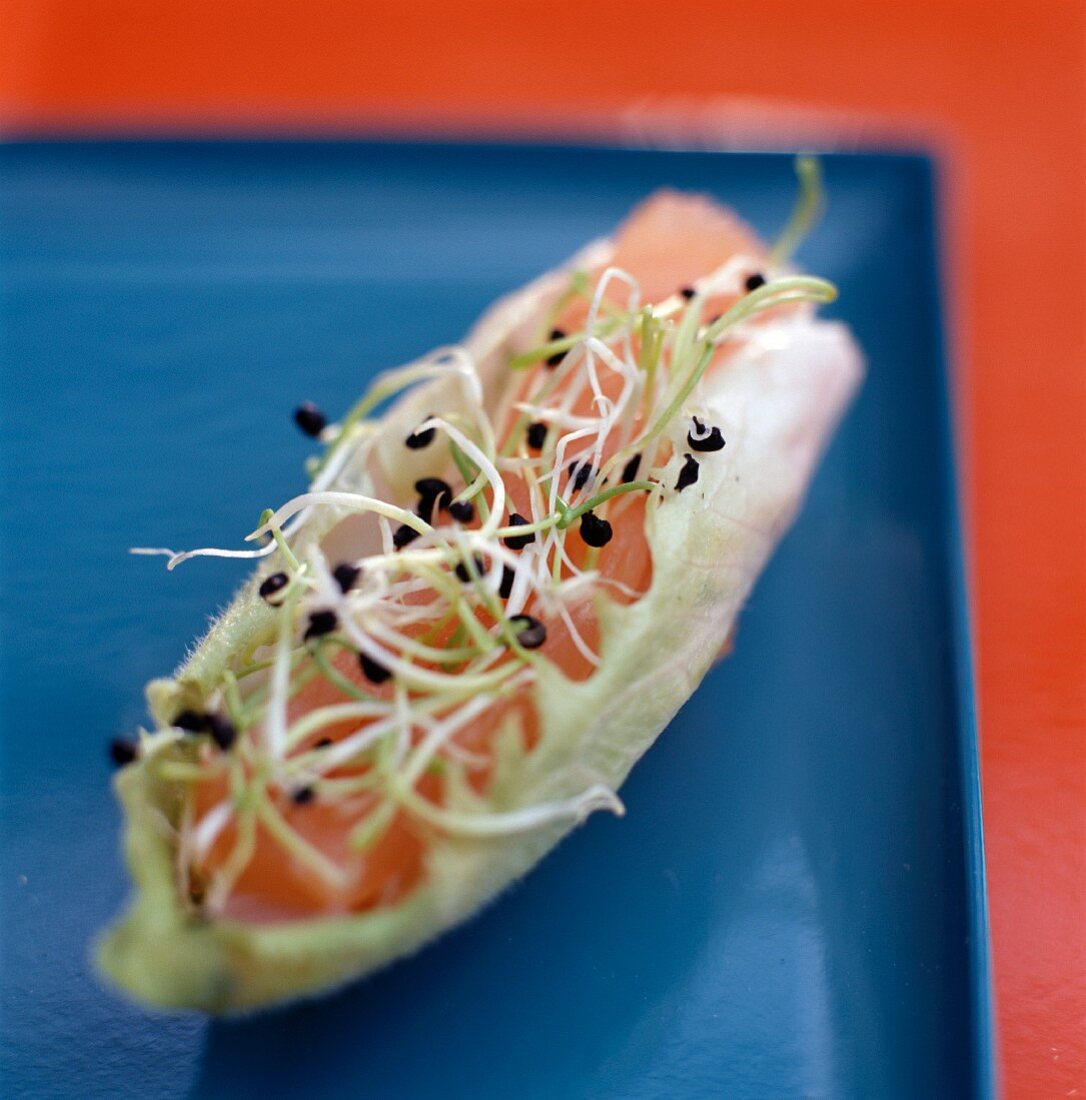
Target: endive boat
516 560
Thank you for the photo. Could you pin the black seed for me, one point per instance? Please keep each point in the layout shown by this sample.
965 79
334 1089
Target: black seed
462 569
323 743
222 731
581 473
373 670
432 492
303 795
688 474
419 439
431 487
346 574
754 281
192 721
688 292
532 634
123 751
434 489
310 419
505 589
558 356
518 542
595 531
537 435
463 511
701 439
321 623
275 583
403 535
629 471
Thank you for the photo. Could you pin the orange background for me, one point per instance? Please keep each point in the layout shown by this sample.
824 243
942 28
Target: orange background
997 85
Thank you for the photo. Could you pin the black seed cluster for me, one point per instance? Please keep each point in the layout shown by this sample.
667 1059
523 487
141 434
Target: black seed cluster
217 726
310 419
688 474
701 438
595 531
518 542
463 511
191 721
558 356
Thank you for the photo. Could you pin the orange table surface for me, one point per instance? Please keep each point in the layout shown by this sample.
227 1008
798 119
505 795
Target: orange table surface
999 86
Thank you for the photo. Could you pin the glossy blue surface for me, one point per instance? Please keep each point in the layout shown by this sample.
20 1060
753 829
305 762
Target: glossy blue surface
793 905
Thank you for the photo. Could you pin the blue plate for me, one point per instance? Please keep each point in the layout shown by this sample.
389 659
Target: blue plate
794 905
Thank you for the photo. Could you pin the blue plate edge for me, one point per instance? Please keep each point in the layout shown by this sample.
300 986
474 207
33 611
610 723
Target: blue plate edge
961 603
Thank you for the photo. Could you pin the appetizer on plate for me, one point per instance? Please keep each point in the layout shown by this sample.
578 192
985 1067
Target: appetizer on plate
494 596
